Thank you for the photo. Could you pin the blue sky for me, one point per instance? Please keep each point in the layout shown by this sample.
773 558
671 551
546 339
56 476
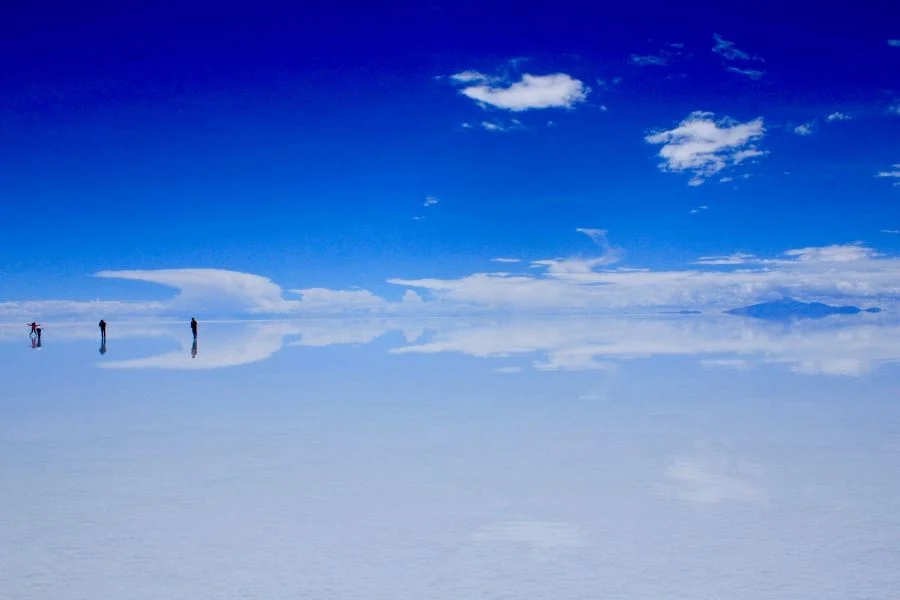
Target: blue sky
303 146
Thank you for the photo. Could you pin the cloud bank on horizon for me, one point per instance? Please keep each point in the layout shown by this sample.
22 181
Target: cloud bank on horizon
599 282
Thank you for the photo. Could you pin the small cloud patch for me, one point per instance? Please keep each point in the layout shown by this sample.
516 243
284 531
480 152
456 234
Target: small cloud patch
557 90
704 146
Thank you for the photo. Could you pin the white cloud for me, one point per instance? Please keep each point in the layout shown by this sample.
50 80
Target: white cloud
890 231
201 289
894 174
726 180
834 253
849 273
506 260
558 90
703 146
838 116
894 43
698 209
729 50
751 73
431 201
804 129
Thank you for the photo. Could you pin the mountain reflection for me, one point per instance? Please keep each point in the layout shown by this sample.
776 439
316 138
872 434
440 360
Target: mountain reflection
842 346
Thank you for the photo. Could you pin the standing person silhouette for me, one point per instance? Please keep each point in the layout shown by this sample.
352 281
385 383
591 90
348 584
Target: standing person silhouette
102 330
34 327
194 326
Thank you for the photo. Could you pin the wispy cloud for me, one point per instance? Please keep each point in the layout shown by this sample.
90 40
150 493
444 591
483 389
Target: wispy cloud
838 116
894 43
703 146
470 77
699 209
729 50
751 73
890 231
804 129
893 174
557 90
666 55
738 258
506 260
511 125
431 201
648 60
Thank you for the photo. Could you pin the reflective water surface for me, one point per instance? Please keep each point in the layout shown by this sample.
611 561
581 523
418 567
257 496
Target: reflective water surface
682 456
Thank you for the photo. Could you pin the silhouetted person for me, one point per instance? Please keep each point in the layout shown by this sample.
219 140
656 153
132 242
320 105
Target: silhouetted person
103 346
194 347
34 327
38 330
194 326
103 330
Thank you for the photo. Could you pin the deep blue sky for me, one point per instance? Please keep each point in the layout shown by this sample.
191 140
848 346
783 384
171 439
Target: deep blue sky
300 143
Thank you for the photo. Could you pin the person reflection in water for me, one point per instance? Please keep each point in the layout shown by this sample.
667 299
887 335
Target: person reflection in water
194 327
194 347
103 346
103 330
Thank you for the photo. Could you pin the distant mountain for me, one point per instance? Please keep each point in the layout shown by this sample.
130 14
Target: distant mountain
794 309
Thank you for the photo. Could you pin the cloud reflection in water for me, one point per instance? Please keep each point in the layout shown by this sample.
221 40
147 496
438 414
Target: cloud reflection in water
850 346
